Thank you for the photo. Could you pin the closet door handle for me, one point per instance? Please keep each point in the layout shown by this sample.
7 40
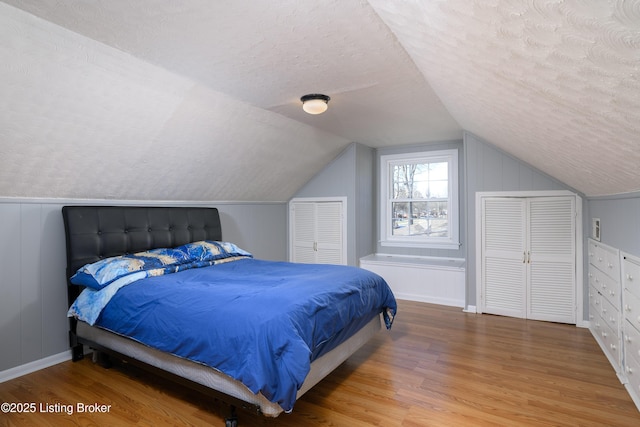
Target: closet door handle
528 257
524 257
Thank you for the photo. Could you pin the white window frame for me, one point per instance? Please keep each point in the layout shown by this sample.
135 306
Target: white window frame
386 235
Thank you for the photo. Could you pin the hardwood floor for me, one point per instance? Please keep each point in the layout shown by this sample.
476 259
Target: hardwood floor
438 366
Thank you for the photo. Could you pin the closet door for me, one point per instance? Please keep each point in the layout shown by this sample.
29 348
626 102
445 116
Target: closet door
303 236
329 233
528 259
551 259
504 256
317 232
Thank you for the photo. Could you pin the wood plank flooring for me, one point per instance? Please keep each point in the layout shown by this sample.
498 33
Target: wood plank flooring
438 366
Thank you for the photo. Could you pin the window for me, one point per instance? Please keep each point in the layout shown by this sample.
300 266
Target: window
419 196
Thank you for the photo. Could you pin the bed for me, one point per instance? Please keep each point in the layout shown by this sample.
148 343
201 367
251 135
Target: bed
195 291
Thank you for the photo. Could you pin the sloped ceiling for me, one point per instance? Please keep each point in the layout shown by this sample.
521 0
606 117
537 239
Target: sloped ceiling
199 100
553 82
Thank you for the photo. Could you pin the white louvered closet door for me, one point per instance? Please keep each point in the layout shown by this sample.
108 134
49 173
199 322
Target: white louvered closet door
551 263
317 232
503 250
528 258
329 233
304 232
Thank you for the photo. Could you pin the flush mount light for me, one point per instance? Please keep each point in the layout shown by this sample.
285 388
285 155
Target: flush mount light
315 103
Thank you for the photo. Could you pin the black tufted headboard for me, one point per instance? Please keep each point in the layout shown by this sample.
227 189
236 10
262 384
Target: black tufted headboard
96 232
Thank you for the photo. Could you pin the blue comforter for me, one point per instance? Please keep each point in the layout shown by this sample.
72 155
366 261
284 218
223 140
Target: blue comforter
257 321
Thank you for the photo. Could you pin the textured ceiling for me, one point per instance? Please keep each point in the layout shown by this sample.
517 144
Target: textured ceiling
269 53
553 82
106 98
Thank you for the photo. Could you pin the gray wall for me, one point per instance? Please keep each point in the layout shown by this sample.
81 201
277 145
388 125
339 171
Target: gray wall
33 293
482 167
490 169
350 175
619 220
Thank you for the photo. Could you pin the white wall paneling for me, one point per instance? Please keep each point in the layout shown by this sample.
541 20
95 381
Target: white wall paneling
434 280
33 287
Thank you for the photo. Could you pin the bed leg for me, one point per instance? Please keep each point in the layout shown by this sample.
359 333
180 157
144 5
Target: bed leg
101 359
232 420
77 352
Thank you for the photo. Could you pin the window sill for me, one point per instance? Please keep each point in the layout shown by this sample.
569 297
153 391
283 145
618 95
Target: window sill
423 245
415 261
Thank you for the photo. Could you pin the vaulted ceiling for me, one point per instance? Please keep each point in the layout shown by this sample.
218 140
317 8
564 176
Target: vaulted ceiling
199 100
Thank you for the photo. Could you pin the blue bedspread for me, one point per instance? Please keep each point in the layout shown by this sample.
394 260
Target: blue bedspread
256 321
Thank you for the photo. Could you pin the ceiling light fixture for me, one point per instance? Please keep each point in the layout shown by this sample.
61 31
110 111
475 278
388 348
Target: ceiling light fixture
315 103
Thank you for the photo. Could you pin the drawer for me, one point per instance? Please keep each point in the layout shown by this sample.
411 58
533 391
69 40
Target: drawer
593 273
592 252
594 313
608 340
593 294
608 287
610 315
605 258
631 342
631 308
595 321
612 264
632 372
631 276
610 343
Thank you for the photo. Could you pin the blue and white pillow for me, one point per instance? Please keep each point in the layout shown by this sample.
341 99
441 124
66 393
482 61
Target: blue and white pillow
101 273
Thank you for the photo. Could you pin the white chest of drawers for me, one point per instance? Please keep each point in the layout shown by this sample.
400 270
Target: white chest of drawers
605 302
631 324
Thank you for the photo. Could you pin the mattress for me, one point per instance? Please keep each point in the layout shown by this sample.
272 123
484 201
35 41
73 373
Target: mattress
216 380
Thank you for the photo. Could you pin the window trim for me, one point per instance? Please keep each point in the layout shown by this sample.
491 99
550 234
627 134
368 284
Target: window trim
386 236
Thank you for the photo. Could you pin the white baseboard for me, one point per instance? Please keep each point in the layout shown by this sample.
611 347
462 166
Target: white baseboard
36 365
429 299
583 324
470 309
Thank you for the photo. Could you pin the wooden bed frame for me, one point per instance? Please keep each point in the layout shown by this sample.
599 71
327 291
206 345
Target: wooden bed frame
96 232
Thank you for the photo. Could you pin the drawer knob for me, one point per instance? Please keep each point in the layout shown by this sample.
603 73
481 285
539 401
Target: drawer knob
604 334
610 265
627 307
629 277
613 347
629 370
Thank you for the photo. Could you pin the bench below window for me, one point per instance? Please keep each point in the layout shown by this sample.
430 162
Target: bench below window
434 280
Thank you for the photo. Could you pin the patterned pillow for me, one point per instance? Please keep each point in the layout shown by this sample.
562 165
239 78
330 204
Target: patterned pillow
101 273
208 250
155 262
